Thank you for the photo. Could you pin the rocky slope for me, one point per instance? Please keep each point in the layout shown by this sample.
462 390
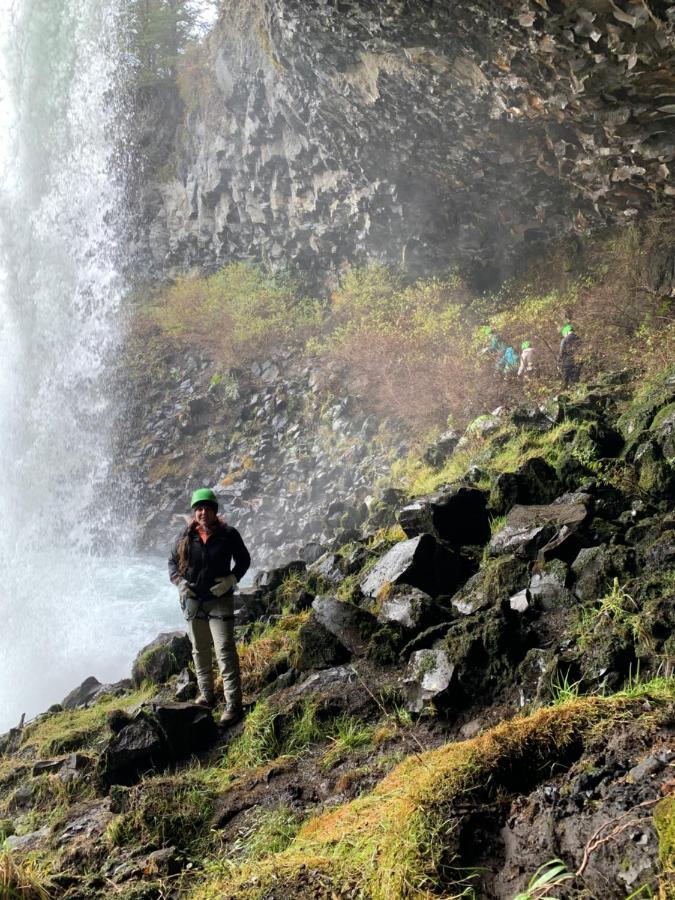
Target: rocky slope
400 739
421 134
291 455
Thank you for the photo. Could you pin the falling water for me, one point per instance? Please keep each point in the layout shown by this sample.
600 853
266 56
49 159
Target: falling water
66 611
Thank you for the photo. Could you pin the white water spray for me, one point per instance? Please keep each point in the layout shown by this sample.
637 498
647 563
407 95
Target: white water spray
66 612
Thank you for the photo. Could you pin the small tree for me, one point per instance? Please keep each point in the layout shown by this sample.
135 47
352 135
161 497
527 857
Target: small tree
161 30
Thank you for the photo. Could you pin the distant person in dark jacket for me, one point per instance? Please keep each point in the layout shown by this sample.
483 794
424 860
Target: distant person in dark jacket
568 361
207 561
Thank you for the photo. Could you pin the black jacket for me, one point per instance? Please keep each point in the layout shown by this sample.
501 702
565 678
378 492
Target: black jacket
211 560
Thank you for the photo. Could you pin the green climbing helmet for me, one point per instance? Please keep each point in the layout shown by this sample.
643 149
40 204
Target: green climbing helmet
566 329
204 495
525 345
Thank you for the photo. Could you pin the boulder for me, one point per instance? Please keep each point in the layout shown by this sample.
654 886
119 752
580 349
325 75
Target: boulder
535 481
328 568
442 448
165 656
271 579
318 648
188 728
662 430
410 608
655 474
349 624
25 842
311 551
186 685
549 529
83 695
420 562
248 605
660 553
73 767
138 748
457 515
427 677
521 602
538 418
496 581
319 681
531 677
595 568
547 587
87 824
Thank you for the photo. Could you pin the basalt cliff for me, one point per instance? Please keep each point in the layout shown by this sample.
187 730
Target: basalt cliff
421 134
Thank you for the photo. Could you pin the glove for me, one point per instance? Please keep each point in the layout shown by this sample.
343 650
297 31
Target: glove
223 585
185 589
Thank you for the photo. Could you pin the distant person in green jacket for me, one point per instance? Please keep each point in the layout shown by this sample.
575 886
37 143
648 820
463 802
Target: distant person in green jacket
568 361
206 562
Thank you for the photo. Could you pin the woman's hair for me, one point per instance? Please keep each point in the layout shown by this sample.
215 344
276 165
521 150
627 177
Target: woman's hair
184 544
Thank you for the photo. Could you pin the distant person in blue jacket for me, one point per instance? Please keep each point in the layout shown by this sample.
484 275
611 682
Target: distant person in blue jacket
508 361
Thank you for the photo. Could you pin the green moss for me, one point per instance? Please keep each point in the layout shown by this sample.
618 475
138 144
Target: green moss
663 414
664 821
166 811
502 577
79 728
163 468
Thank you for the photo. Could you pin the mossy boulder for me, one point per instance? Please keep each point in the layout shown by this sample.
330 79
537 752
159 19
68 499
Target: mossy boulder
165 656
595 568
535 481
656 476
641 414
484 649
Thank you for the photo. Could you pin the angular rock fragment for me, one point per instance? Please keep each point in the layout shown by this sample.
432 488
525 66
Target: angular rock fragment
421 562
83 694
456 515
318 648
521 602
596 567
349 624
410 608
328 568
548 529
427 677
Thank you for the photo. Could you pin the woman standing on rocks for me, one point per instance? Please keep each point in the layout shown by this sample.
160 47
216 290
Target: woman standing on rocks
207 561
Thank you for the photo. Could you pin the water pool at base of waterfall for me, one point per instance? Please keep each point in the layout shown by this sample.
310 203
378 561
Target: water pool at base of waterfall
65 619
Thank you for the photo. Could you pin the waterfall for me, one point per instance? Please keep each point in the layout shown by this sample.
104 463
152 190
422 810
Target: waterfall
67 607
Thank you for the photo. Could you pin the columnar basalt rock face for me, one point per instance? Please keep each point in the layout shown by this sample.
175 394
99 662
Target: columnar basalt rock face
422 134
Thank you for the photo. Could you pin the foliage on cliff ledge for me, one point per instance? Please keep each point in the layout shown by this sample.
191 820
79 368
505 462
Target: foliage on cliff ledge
415 351
238 314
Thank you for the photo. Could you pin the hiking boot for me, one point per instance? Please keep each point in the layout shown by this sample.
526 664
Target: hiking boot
231 715
205 700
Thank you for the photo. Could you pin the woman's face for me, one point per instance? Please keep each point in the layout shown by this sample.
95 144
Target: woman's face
205 515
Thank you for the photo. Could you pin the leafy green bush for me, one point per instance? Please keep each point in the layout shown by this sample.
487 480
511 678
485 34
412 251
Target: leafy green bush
237 314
